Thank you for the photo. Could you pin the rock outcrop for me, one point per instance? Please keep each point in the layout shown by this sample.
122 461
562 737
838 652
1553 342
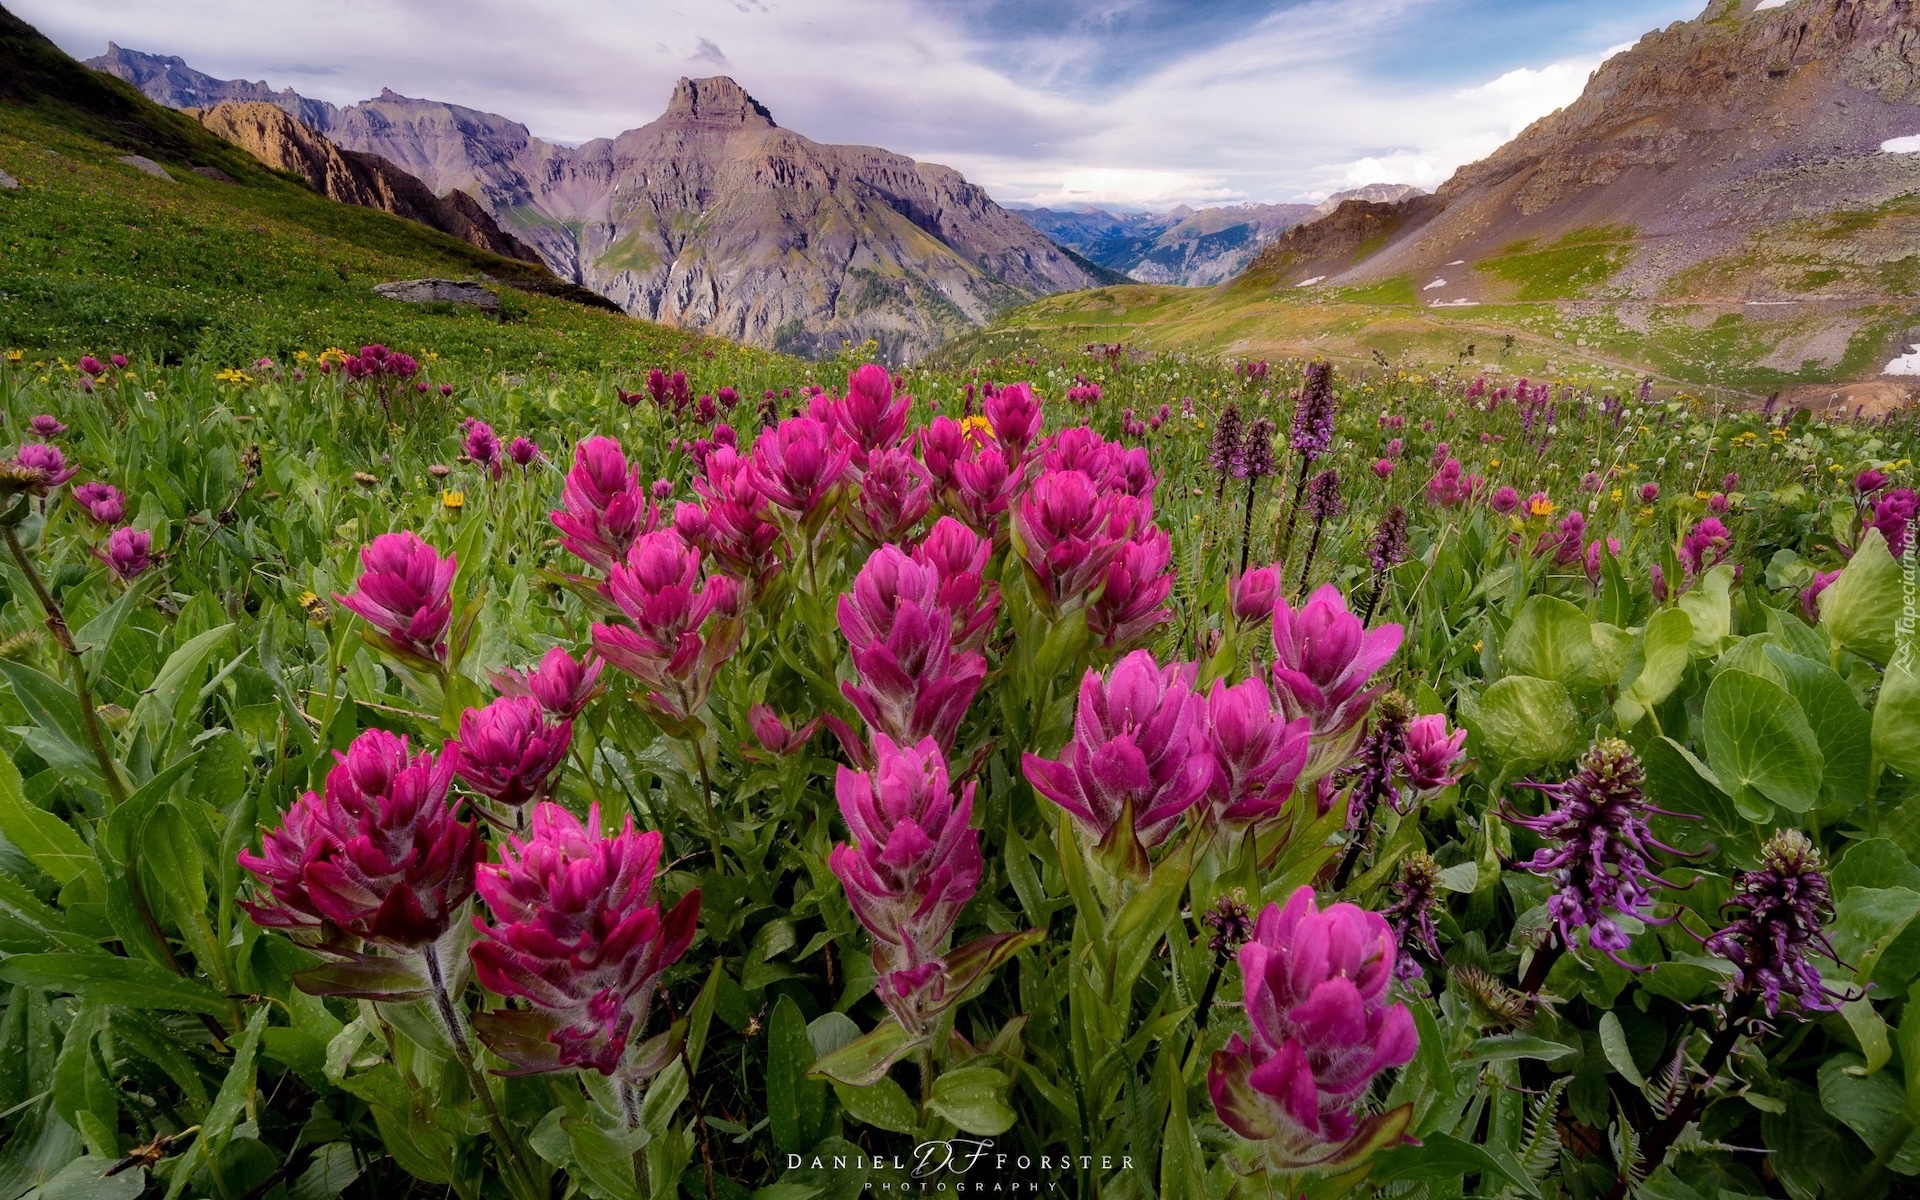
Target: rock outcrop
711 217
267 132
438 291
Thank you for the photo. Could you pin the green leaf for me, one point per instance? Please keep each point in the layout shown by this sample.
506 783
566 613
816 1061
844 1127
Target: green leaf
55 711
87 1179
1909 1038
796 1105
1870 1105
1839 724
1527 722
1896 720
333 1170
47 841
1440 1158
159 707
1861 607
1462 877
1867 921
1613 1042
1549 639
217 1126
882 1104
1658 663
1710 607
1518 1045
370 978
1870 1031
605 1159
131 982
865 1059
973 1098
97 635
1756 736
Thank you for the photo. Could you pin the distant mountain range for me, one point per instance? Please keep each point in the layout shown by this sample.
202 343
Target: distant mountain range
1188 246
711 217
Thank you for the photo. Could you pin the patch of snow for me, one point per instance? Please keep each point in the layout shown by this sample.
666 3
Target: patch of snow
1906 364
1769 303
1764 5
1436 283
1311 282
1901 145
1458 262
1461 302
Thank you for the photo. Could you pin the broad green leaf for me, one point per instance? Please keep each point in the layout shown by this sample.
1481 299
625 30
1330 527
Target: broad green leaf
882 1104
1613 1041
1518 1045
1440 1158
1527 722
1867 921
1756 736
1896 719
1870 1031
1550 639
1870 1105
1860 609
1657 665
974 1098
127 981
159 707
1612 649
47 841
86 1178
1839 724
866 1058
1710 607
1681 783
604 1158
796 1105
55 710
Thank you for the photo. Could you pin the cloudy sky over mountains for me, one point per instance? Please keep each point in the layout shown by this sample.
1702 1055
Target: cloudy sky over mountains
1129 102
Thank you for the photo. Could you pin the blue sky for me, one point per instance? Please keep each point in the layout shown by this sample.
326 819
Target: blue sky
1141 103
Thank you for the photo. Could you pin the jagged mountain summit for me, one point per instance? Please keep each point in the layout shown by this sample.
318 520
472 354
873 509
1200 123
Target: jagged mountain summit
1710 162
711 217
1188 246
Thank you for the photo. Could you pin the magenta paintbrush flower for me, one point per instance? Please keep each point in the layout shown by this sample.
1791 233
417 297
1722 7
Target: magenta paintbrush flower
959 557
406 594
1139 746
483 447
1112 466
914 862
775 735
561 683
378 856
870 414
913 684
128 553
1253 594
580 936
603 507
1705 545
102 502
1258 753
1069 533
894 496
1014 412
797 463
1432 753
47 460
1323 657
660 590
508 751
1317 986
46 425
1893 516
523 451
1133 596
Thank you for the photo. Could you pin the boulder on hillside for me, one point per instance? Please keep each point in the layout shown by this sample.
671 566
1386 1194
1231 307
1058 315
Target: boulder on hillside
141 162
443 291
8 182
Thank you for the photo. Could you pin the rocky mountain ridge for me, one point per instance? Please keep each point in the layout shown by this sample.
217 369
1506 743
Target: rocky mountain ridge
1187 246
710 217
269 133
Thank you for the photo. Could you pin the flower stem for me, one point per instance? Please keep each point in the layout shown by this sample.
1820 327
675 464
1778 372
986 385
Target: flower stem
463 1051
1246 523
1665 1134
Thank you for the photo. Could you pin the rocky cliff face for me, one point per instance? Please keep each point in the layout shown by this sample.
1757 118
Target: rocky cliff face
1685 155
168 80
713 217
268 133
1192 247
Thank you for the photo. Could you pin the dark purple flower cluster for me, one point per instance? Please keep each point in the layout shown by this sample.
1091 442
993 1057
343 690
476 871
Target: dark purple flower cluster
1782 907
1416 895
1598 846
1388 549
1313 417
1225 454
1323 496
1256 453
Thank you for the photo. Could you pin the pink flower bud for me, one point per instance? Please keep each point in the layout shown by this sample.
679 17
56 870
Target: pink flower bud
378 856
1254 594
508 751
1323 657
406 594
579 934
1432 752
1258 754
563 685
913 683
129 552
101 501
603 506
797 463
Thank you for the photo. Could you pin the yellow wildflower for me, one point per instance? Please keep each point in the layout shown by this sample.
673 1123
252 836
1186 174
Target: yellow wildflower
453 501
1615 494
977 428
14 356
1539 506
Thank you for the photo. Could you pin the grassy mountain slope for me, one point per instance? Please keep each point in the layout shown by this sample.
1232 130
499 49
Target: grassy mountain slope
224 260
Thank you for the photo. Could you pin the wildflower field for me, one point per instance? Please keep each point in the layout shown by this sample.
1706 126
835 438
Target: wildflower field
1091 775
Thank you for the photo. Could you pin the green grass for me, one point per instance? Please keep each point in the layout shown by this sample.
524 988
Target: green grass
1569 268
96 256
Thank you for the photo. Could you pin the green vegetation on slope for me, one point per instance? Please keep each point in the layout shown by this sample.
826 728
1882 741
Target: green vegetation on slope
1568 268
97 255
